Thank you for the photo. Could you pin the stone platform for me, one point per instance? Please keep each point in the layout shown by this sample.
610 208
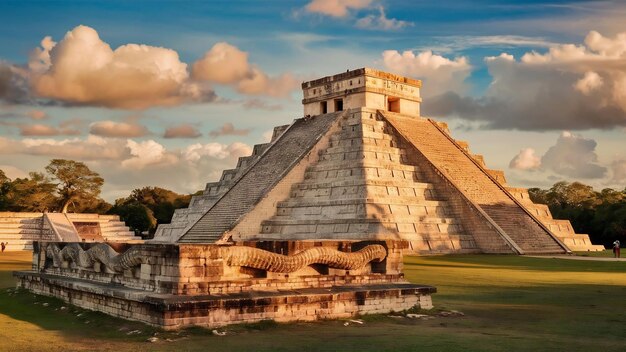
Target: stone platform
177 311
176 285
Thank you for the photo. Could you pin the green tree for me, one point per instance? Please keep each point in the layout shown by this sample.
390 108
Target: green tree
159 203
76 182
34 193
136 216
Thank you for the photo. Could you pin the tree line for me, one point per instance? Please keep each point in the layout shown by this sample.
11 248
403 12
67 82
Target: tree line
70 186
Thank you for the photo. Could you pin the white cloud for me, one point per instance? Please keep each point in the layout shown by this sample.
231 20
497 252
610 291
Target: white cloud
336 8
223 63
82 69
525 160
588 83
227 64
117 129
439 74
195 152
147 153
381 22
568 87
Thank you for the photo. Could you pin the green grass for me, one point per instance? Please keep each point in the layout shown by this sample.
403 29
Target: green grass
608 253
510 304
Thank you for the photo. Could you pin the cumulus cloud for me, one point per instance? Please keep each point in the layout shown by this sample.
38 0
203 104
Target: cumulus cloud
198 151
45 130
227 64
381 22
336 8
525 160
147 153
82 69
228 129
182 131
223 63
573 156
588 83
567 87
117 129
439 74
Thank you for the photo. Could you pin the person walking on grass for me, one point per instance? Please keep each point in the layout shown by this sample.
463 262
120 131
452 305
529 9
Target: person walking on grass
615 249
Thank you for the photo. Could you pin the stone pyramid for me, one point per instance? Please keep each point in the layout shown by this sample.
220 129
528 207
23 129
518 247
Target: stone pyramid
364 165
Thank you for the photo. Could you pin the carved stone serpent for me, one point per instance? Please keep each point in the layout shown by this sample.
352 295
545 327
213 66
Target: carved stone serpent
101 252
273 262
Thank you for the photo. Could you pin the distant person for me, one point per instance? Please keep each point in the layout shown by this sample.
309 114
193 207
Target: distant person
615 249
4 245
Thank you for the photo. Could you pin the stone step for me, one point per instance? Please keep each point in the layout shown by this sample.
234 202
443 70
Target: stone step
352 181
364 148
361 164
356 141
362 227
390 200
20 225
19 231
20 220
19 215
25 236
359 235
284 221
400 157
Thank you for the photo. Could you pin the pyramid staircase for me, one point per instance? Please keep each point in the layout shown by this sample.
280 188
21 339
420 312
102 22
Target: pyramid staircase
213 191
366 185
561 228
259 178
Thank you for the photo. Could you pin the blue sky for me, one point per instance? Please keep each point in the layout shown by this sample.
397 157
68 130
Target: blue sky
556 114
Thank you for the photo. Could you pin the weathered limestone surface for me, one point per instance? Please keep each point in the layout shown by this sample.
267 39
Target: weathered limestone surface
173 286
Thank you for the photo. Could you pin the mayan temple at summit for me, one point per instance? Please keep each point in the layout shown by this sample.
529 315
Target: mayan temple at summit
363 164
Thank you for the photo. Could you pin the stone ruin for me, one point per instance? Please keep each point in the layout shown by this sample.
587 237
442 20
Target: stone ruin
313 224
20 229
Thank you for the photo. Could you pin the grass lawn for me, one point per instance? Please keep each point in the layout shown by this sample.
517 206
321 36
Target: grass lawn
510 304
